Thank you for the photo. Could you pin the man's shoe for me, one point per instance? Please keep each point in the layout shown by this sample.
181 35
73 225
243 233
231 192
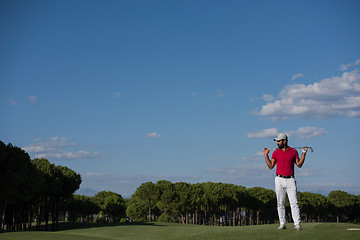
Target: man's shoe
297 227
282 227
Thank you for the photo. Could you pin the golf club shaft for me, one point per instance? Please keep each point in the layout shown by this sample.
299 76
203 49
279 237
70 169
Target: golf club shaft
311 149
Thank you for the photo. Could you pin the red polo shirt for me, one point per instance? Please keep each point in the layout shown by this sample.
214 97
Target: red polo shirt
285 161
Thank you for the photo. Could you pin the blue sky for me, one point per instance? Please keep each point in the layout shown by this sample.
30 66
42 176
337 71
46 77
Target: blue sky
125 92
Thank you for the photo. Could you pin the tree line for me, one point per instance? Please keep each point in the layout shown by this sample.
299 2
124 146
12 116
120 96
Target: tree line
32 190
209 204
35 193
232 205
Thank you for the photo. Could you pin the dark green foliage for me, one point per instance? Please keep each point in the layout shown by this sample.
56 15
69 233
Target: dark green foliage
82 208
147 195
32 189
232 205
343 205
112 204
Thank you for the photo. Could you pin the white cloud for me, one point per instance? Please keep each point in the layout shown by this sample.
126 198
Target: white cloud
93 174
345 67
297 76
307 132
331 97
302 132
13 102
255 157
36 149
268 97
153 135
48 145
67 155
55 148
33 99
265 133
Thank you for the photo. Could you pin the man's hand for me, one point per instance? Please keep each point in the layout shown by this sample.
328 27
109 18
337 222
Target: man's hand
300 162
266 151
269 163
304 150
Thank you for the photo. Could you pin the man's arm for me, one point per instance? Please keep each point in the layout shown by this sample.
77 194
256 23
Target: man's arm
300 162
270 164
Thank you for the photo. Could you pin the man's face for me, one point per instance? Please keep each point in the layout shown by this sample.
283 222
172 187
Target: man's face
281 144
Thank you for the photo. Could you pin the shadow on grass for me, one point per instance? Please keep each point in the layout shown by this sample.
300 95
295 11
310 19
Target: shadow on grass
71 226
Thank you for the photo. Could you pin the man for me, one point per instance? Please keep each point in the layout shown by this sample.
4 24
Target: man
284 158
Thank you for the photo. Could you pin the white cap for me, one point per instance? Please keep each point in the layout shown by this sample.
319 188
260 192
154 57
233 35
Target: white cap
282 136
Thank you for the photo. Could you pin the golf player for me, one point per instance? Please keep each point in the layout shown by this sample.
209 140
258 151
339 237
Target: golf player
284 158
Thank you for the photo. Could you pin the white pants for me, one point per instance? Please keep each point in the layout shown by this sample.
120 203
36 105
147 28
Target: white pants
283 186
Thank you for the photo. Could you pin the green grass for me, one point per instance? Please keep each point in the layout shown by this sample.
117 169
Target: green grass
172 231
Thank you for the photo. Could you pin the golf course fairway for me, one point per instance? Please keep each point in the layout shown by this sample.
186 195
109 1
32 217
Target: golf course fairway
168 231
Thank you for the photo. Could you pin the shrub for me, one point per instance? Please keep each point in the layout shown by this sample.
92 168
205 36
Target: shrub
164 218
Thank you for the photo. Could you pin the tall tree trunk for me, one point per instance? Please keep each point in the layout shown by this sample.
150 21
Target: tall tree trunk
26 215
30 215
47 213
38 218
13 219
57 211
53 206
226 217
250 217
22 221
205 217
150 218
2 214
234 218
196 217
290 218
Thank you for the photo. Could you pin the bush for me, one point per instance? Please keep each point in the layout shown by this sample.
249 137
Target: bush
101 217
164 218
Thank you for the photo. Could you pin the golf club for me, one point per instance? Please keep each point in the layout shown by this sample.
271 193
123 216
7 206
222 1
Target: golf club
311 149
